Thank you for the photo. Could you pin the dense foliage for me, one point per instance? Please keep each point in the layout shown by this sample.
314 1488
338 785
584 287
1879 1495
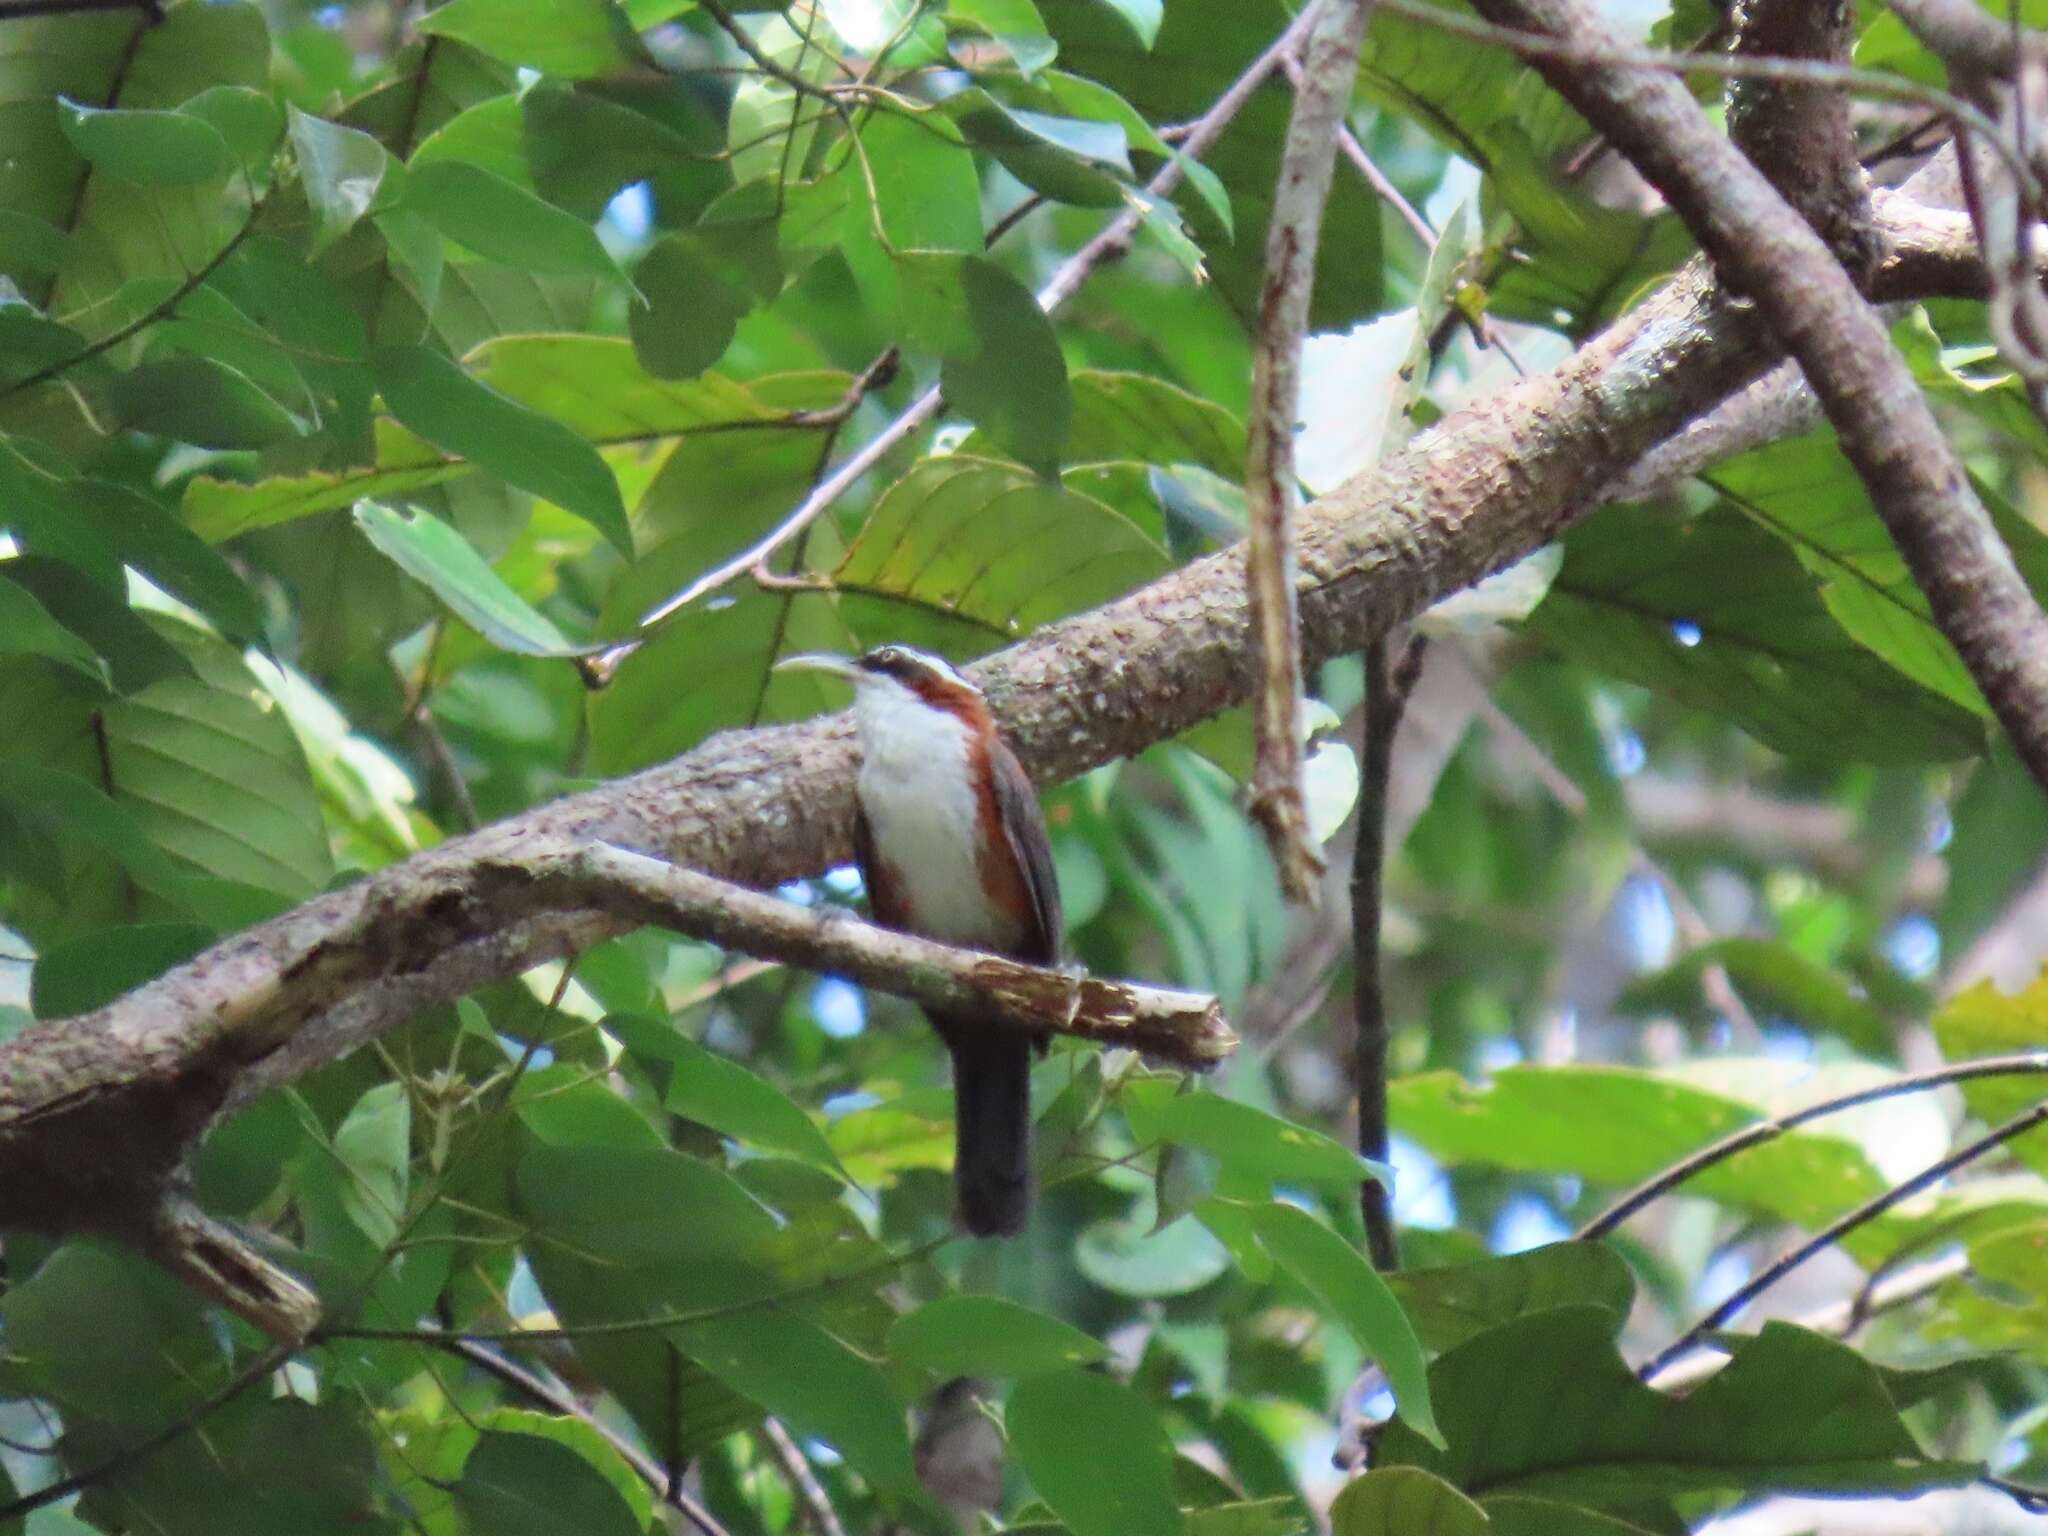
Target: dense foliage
364 374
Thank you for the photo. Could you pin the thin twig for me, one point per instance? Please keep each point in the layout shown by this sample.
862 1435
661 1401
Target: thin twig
1387 686
560 1402
128 1455
21 10
160 310
1835 1231
803 1482
2030 1064
1838 1320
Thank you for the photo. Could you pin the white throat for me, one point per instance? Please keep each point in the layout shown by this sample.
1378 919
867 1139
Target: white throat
914 789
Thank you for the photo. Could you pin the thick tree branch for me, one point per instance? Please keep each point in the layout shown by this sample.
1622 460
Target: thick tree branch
1277 803
95 1112
1799 135
1810 306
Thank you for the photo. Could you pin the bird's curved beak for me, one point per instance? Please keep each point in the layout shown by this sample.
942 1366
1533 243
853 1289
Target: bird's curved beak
820 661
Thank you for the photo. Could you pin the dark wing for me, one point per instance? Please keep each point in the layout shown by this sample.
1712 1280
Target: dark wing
887 899
1024 823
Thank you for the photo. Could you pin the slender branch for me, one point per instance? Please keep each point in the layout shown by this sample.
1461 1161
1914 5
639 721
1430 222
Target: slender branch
1387 686
1839 1319
1186 1028
161 310
548 1396
77 1482
803 1482
1109 244
1978 597
1278 804
1835 1231
2031 1064
21 10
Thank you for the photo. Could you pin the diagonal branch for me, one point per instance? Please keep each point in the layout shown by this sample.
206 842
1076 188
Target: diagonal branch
1809 305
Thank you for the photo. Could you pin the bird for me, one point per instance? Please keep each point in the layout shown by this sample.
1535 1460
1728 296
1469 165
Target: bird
951 846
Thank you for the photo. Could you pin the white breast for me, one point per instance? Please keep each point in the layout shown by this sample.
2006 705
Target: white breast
913 788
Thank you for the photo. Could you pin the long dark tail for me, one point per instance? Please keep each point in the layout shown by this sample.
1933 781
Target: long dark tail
992 1128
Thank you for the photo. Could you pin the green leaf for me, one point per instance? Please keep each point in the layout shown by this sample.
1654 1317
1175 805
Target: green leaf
201 402
627 1233
100 527
1618 1125
157 149
1096 1452
1143 16
502 221
927 194
1794 1412
1350 1288
78 975
1259 1145
1452 1303
29 244
1404 1501
719 1092
28 629
63 803
435 555
987 1336
525 1485
248 121
374 1148
103 1334
341 170
1719 615
996 546
536 453
1011 380
691 313
1131 1259
572 38
1133 416
135 652
265 1464
1773 978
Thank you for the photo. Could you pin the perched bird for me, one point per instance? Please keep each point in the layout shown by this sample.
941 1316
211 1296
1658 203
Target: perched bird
952 846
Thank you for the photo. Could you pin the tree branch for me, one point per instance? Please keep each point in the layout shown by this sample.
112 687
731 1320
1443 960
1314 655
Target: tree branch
1277 804
1835 1231
1800 135
2030 1064
96 1111
1810 306
1186 1028
1387 686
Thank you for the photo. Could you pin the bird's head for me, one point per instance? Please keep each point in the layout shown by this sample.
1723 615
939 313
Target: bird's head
893 678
